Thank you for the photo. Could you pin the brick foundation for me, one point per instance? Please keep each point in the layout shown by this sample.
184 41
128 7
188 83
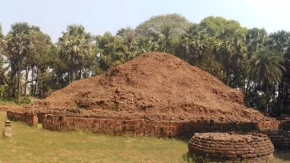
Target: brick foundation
280 139
29 118
142 127
116 126
224 147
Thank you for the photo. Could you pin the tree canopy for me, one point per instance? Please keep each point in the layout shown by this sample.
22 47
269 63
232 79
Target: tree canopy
177 24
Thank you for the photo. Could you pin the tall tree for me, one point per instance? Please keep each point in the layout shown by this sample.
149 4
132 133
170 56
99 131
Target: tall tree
114 51
232 50
41 58
18 44
280 41
76 50
266 68
256 39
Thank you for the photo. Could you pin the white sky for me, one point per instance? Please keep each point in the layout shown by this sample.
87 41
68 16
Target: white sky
99 16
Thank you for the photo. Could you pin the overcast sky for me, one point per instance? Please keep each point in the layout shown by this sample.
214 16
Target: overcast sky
99 16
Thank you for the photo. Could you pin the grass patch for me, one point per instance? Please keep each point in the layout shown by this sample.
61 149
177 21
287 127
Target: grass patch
7 102
38 145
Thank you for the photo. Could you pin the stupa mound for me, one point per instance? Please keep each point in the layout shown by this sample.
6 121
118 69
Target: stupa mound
154 86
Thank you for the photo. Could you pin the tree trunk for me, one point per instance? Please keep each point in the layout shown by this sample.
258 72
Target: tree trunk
11 85
19 87
228 77
40 86
32 79
80 74
72 76
247 86
36 82
14 85
266 111
26 79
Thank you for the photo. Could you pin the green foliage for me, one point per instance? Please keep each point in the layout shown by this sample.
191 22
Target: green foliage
256 39
266 67
1 34
7 101
114 51
178 25
76 52
25 100
17 47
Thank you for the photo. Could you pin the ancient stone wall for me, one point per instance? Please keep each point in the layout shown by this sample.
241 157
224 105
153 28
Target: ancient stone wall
280 139
220 147
285 125
141 127
41 117
116 126
28 118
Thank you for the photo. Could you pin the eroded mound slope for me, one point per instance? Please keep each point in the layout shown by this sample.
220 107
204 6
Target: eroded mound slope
154 86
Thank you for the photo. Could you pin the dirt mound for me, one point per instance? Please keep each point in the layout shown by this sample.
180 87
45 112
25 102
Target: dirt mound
154 86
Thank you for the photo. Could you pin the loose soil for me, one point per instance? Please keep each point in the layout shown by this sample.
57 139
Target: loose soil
154 86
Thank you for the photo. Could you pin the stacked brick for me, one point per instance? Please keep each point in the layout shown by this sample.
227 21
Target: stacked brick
115 126
29 118
118 126
280 139
219 147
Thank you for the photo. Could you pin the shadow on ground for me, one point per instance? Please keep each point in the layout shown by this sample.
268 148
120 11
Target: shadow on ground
283 156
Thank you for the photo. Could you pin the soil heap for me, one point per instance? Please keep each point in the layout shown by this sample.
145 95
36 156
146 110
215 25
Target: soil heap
154 86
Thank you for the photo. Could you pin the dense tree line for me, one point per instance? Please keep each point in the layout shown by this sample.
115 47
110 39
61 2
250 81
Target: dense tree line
251 60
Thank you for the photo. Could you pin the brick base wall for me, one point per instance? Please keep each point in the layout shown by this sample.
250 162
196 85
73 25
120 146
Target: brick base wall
152 128
28 118
115 126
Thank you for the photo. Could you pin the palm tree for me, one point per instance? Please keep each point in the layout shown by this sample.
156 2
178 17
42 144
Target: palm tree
164 39
18 44
280 42
232 49
194 44
266 68
74 49
255 39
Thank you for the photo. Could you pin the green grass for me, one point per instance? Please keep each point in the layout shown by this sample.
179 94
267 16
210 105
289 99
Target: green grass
5 102
39 145
282 157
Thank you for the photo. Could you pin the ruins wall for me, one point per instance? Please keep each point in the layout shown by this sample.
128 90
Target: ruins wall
28 118
152 128
280 139
224 147
140 127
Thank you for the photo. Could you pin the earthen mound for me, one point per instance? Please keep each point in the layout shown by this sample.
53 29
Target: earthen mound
154 86
221 147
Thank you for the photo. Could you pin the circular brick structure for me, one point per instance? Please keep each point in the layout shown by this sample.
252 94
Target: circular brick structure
280 139
219 147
